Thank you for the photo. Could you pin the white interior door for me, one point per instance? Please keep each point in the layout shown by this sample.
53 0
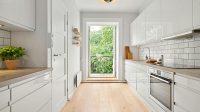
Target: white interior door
59 55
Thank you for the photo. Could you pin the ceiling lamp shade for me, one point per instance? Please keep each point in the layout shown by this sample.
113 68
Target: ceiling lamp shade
108 1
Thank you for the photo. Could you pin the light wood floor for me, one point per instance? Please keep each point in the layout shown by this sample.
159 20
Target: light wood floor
105 97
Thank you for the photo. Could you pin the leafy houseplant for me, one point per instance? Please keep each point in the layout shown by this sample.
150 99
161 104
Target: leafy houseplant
10 55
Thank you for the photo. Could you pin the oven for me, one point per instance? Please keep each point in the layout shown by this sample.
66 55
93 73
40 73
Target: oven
161 89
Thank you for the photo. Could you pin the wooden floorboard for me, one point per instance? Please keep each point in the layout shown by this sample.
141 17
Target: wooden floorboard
105 97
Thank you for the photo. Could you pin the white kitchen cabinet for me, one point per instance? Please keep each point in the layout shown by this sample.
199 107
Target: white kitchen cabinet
176 16
154 27
46 108
131 74
186 94
4 97
142 81
18 13
138 30
34 101
196 14
7 109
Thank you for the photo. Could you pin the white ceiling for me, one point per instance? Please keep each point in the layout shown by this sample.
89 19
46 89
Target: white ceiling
116 6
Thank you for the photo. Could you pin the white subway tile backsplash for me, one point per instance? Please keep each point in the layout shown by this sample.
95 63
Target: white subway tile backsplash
180 51
197 62
183 45
6 42
189 62
194 56
189 50
177 51
183 56
197 50
1 41
4 34
194 44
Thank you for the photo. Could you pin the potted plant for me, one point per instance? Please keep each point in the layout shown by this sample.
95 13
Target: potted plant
10 55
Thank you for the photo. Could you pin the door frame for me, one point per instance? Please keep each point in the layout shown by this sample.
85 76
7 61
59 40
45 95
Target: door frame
117 43
115 26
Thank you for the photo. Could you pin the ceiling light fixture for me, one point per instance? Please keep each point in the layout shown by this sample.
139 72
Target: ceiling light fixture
108 1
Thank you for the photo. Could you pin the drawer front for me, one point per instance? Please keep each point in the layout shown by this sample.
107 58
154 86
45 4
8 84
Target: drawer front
26 88
34 101
186 99
7 109
46 108
187 82
4 98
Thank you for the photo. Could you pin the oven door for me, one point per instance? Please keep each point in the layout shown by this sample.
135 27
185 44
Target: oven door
161 91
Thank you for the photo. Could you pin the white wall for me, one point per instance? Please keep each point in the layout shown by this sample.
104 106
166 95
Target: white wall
126 19
73 50
35 43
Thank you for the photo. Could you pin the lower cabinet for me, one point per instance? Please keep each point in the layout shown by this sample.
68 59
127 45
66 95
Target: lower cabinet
46 108
131 74
7 109
186 94
4 98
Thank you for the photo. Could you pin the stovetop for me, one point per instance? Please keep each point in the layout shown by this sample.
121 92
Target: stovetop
180 66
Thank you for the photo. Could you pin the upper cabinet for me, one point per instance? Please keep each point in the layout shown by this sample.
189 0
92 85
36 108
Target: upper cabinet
138 30
18 15
154 29
165 18
196 14
176 16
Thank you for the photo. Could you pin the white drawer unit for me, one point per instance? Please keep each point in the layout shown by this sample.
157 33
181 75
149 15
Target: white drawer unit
26 88
33 102
7 109
46 108
4 97
186 94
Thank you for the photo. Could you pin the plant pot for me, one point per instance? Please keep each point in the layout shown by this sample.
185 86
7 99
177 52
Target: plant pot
11 64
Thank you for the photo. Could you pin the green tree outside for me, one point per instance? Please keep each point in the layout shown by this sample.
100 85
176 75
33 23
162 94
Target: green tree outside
101 47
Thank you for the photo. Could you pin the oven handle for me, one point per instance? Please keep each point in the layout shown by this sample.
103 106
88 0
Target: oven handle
168 81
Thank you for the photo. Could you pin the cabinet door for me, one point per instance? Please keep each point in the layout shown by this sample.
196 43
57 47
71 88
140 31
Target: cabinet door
141 33
186 99
34 101
196 13
153 21
176 16
133 32
143 82
5 98
5 109
20 13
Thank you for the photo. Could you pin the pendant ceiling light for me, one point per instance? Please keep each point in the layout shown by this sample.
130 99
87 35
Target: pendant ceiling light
108 1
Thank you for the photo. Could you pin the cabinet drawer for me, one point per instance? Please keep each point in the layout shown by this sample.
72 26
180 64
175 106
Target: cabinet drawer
4 98
187 82
7 109
46 108
34 101
28 87
186 99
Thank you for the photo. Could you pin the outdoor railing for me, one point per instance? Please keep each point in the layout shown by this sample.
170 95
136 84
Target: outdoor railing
101 64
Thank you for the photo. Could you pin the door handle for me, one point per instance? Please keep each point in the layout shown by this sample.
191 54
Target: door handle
55 55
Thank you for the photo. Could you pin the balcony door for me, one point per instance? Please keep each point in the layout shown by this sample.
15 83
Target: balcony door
102 51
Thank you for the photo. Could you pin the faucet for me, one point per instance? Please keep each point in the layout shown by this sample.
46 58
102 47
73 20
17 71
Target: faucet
149 53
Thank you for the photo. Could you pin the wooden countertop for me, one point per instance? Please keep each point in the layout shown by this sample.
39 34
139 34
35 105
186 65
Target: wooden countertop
190 73
8 77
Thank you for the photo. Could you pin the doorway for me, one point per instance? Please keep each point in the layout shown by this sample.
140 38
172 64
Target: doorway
102 51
